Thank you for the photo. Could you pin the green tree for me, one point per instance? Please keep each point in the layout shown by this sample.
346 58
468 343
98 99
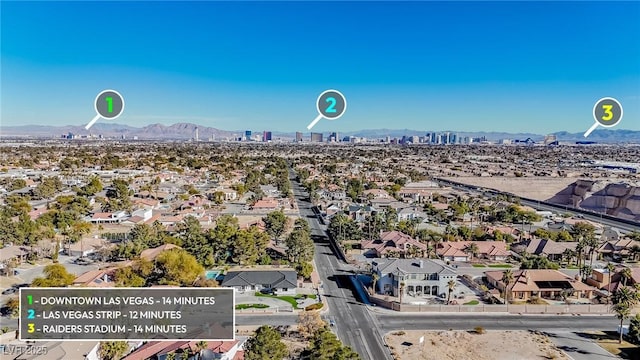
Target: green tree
299 246
113 350
56 275
220 238
17 184
93 186
304 269
13 305
451 285
178 267
266 344
326 346
275 223
118 196
249 246
507 279
623 301
194 240
343 228
634 328
127 277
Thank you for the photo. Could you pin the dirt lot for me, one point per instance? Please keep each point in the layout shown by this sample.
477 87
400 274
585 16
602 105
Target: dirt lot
533 188
464 345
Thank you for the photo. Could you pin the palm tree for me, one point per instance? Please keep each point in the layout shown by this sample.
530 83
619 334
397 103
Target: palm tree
579 250
568 254
507 279
375 277
171 356
200 346
610 269
626 275
473 250
624 299
450 286
592 243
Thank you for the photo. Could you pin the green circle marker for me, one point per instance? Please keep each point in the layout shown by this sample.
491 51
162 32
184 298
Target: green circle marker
109 104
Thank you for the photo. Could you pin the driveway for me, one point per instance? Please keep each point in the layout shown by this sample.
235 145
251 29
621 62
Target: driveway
274 304
579 347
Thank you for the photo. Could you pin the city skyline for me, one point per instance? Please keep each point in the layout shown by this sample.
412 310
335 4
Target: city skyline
472 67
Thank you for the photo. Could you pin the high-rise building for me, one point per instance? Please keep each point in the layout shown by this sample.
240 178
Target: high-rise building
298 137
266 136
316 137
247 135
334 137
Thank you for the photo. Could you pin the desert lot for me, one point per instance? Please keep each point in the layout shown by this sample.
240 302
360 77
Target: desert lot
542 188
463 345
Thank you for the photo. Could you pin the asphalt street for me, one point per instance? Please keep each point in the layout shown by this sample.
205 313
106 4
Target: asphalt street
354 325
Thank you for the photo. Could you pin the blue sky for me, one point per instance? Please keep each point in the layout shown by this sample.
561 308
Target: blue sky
464 66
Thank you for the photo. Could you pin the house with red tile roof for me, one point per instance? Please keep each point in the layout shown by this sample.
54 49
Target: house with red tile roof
393 244
542 283
460 250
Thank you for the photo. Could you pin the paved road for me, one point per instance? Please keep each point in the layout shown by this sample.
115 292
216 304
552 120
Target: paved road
579 347
444 321
354 324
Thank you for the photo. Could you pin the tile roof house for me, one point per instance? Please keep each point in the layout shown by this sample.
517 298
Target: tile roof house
543 247
420 276
393 244
222 350
543 283
268 204
281 282
619 249
599 278
459 250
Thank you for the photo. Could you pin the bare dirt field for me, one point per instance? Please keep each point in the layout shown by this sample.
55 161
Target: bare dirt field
533 188
464 345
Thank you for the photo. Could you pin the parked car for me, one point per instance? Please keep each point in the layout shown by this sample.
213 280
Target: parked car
83 261
9 291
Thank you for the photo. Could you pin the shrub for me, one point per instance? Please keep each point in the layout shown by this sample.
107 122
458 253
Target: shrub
479 330
315 306
399 333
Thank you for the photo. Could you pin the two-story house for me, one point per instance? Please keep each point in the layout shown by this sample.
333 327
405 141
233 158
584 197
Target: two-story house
416 277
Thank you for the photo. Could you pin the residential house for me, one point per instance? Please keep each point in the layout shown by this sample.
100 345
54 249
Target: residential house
619 249
461 250
281 282
393 244
360 213
420 276
410 213
108 217
376 194
97 278
159 350
599 278
266 204
553 250
139 216
541 283
12 255
86 246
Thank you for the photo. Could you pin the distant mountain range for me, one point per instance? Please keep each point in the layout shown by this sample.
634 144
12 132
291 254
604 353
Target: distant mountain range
184 131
